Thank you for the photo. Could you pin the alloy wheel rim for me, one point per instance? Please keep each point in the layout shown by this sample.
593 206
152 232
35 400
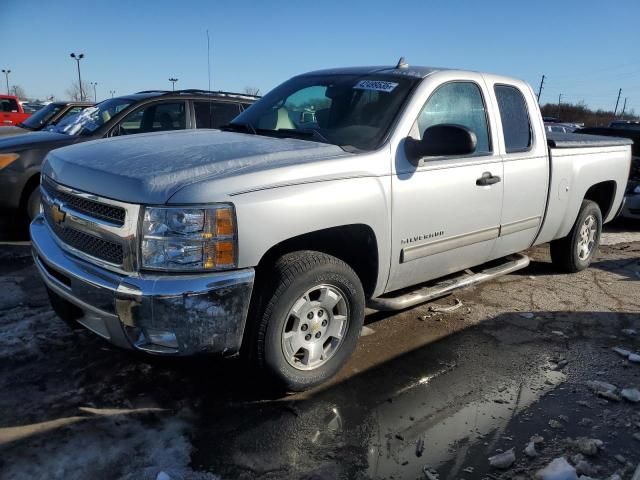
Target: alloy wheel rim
587 237
315 327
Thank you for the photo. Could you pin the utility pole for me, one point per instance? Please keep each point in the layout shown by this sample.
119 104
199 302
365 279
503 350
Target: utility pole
624 107
617 101
6 75
559 102
173 81
95 95
540 89
77 58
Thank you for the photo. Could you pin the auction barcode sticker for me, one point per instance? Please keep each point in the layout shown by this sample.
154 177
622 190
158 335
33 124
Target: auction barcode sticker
377 85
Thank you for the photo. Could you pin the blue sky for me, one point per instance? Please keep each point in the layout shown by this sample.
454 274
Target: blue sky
587 51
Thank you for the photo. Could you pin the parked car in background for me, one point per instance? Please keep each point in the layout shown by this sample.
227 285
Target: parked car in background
150 111
46 116
630 130
31 107
269 238
11 111
559 127
625 125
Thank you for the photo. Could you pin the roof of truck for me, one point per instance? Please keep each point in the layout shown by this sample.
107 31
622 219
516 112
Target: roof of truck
406 70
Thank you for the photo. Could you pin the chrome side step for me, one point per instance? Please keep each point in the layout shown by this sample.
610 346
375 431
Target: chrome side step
425 294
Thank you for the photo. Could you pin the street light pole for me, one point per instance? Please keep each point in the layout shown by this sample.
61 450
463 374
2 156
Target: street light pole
95 95
112 92
77 58
173 83
6 74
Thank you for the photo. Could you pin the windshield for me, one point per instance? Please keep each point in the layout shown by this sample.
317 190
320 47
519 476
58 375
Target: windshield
90 119
345 110
40 118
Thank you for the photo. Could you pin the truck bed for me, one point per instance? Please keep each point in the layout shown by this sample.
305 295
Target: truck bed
579 140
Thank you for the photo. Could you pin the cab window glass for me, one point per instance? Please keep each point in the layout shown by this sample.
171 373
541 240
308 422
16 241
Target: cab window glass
213 114
155 117
458 103
516 127
9 105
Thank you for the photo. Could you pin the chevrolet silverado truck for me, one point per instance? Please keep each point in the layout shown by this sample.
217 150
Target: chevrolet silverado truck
11 111
269 237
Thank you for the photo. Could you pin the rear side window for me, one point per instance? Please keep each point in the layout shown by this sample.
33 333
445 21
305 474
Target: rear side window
215 115
9 105
515 118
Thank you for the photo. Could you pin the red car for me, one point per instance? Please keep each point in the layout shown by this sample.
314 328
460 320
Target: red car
11 111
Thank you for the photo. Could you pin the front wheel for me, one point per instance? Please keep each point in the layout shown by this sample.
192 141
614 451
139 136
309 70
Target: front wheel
575 252
33 204
312 321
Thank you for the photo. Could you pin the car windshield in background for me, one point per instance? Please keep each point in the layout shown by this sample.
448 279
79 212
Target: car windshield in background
92 118
351 111
41 117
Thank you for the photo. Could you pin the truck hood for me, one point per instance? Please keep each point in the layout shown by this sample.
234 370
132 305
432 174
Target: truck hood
150 168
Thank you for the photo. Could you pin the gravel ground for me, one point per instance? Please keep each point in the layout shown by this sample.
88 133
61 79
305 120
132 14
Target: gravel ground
426 395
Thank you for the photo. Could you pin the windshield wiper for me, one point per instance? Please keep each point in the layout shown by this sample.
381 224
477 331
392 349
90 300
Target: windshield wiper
304 132
240 126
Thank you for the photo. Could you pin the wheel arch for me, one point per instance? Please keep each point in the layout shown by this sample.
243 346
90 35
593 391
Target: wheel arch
603 194
354 244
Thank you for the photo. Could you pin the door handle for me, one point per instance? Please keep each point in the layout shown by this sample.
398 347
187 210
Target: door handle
487 179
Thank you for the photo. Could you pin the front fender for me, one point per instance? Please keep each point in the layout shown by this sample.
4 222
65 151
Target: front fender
269 217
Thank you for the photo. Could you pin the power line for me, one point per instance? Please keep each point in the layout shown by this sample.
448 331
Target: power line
617 101
540 89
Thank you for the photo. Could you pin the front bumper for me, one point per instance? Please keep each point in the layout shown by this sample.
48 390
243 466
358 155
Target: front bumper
163 314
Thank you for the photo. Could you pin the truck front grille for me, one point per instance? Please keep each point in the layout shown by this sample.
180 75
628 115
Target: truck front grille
110 213
91 226
91 245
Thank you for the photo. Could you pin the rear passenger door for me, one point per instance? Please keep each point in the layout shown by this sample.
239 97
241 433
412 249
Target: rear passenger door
211 114
526 171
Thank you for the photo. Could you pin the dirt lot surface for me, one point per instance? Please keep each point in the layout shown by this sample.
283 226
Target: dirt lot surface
427 394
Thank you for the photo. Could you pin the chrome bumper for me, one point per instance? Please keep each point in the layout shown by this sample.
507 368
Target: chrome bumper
164 314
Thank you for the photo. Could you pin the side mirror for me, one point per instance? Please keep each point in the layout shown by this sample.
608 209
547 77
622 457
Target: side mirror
441 140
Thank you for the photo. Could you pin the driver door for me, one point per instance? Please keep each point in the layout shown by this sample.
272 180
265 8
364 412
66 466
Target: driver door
444 218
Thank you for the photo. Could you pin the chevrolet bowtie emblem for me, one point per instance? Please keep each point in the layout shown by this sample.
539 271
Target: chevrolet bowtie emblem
57 214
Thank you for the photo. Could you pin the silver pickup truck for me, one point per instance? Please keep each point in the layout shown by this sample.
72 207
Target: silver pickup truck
338 190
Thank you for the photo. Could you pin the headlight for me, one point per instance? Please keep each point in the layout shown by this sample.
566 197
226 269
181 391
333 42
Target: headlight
7 158
189 239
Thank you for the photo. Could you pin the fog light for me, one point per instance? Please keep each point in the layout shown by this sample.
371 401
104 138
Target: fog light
161 338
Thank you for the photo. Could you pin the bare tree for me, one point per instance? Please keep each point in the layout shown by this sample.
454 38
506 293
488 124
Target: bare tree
18 91
251 91
73 92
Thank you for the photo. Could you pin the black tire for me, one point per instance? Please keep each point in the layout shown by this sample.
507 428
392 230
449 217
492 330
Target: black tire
292 276
33 204
564 251
66 310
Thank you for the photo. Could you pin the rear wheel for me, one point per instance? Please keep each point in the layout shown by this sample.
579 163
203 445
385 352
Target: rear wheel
312 320
575 252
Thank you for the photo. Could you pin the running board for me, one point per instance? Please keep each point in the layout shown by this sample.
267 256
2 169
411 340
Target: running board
440 289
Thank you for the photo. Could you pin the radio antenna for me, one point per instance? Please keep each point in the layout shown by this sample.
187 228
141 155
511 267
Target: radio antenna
209 59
